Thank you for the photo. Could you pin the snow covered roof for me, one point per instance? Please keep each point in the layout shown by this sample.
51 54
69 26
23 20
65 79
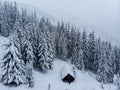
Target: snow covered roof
67 70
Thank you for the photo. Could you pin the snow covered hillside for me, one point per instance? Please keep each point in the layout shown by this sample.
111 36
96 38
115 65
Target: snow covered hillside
52 79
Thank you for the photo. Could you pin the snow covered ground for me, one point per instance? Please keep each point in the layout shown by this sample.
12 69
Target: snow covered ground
83 81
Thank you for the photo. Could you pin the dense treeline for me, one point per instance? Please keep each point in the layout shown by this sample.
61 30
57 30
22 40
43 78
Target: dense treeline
34 43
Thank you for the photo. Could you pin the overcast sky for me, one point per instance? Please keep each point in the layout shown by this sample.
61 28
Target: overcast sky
103 14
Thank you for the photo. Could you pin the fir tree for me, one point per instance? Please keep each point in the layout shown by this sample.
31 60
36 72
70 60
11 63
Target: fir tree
77 56
85 49
105 71
28 60
91 51
46 50
118 81
97 54
13 66
117 58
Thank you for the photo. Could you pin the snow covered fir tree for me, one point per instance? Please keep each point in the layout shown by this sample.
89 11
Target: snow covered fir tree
12 66
35 43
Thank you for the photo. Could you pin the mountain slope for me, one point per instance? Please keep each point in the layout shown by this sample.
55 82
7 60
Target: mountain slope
83 81
101 16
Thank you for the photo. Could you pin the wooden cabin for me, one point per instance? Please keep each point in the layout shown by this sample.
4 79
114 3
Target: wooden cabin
67 74
68 78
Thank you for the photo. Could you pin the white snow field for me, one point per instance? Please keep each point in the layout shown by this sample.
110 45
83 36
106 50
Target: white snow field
83 81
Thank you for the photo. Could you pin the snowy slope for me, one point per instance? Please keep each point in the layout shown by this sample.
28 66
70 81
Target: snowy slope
84 80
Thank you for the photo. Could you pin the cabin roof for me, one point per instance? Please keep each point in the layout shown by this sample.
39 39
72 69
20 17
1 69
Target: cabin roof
67 70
